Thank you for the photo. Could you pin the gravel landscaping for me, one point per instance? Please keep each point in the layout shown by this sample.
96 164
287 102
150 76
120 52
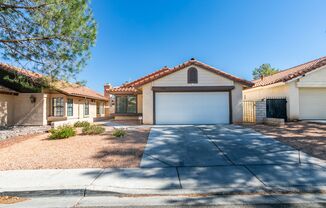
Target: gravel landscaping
98 151
14 131
308 137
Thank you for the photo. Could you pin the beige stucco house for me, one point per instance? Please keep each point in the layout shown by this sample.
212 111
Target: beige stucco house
190 93
303 86
64 104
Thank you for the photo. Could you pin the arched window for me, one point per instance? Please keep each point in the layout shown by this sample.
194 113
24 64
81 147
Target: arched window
192 75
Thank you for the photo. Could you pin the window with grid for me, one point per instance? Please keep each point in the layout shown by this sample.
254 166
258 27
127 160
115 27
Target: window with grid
58 106
126 104
70 107
86 108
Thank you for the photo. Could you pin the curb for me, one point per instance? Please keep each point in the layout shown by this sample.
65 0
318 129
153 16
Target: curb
172 192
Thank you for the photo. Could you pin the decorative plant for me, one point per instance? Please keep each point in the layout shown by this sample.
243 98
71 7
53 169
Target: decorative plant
62 132
93 130
119 132
82 124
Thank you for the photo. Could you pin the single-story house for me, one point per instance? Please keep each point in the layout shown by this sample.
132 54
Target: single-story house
303 86
190 93
26 102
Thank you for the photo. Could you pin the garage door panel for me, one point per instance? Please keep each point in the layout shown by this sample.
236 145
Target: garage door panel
312 103
192 108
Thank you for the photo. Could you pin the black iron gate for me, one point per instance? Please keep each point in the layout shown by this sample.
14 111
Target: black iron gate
276 108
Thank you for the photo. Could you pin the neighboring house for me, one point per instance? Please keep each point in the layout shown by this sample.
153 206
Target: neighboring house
303 86
21 104
191 93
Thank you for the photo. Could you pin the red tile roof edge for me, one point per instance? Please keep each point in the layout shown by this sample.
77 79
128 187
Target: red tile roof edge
34 75
293 73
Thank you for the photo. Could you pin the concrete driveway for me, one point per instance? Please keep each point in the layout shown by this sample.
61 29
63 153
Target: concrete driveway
223 156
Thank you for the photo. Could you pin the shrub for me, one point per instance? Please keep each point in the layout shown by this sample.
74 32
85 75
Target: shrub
93 129
119 132
62 132
82 124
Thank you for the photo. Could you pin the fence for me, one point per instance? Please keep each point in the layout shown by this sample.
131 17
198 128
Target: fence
258 111
249 111
254 111
276 108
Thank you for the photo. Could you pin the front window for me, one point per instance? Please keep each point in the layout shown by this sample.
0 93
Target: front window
126 104
70 107
86 108
58 107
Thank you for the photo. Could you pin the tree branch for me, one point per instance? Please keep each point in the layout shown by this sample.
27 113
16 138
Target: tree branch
29 39
10 6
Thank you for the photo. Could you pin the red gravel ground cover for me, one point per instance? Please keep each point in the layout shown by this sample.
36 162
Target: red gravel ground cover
99 151
309 137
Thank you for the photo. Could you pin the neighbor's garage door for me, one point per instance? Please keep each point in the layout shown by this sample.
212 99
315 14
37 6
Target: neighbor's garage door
312 103
192 107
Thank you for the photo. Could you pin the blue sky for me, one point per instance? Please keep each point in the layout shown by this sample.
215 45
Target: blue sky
138 37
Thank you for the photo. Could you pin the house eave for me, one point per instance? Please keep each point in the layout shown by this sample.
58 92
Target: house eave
266 87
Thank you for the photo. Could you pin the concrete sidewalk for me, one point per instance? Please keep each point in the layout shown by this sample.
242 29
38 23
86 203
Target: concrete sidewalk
172 180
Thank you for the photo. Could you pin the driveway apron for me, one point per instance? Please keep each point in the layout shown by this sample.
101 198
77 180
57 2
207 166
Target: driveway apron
247 147
180 147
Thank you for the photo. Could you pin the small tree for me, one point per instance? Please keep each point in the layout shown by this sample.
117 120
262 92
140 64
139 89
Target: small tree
263 70
53 37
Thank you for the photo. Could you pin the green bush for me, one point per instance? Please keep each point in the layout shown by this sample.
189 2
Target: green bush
82 124
119 132
93 130
62 132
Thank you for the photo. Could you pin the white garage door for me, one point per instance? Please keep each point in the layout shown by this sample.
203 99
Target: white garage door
312 103
192 108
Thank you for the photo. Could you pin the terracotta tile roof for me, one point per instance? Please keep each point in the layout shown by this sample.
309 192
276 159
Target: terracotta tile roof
289 74
123 90
64 87
18 70
166 71
6 90
81 91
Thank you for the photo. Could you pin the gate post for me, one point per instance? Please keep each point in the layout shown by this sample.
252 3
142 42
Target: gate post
260 111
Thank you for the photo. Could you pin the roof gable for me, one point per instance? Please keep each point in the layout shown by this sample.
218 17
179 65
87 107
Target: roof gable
291 73
204 77
167 71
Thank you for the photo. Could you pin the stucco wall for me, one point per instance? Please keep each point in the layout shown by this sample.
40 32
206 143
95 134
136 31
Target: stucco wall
28 113
205 78
147 104
237 112
6 110
264 92
140 103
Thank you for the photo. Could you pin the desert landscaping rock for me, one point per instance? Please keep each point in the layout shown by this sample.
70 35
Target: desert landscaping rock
81 151
15 131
